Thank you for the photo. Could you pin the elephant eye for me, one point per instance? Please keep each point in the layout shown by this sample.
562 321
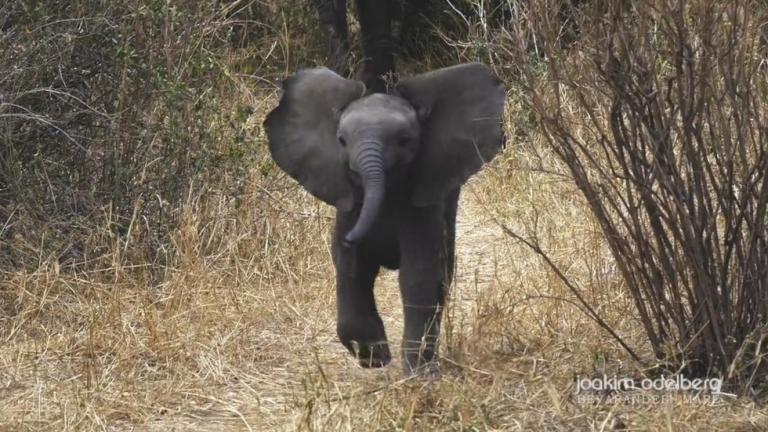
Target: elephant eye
403 141
342 141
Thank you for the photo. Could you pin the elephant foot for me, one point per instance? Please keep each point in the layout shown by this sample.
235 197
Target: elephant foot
366 340
371 355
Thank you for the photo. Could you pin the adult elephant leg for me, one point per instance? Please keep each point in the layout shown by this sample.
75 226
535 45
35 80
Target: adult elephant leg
358 323
423 286
333 20
375 17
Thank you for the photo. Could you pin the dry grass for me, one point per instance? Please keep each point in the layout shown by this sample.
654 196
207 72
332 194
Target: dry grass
239 334
237 330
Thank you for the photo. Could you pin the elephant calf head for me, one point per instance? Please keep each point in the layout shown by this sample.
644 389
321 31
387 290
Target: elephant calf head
441 127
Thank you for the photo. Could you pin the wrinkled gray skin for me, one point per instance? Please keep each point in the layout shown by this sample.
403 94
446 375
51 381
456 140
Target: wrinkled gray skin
392 165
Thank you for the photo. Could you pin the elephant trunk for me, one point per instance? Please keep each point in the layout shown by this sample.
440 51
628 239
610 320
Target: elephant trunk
370 165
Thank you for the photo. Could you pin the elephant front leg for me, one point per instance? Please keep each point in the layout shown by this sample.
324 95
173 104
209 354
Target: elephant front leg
422 284
359 324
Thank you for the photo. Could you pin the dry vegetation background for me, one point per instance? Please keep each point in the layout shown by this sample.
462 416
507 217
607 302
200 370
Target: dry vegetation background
157 272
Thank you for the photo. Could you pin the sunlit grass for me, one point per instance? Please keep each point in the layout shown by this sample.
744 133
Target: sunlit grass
236 329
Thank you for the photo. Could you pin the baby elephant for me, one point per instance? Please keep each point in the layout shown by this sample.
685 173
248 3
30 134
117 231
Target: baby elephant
392 165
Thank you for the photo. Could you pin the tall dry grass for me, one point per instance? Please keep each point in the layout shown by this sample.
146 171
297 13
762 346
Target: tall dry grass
222 316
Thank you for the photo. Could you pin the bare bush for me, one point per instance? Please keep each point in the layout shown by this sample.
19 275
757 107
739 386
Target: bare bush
659 113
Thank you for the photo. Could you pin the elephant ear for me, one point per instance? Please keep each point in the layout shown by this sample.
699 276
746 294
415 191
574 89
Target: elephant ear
302 133
461 108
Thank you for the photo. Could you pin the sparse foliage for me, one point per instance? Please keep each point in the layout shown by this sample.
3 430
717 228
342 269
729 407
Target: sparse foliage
659 112
110 115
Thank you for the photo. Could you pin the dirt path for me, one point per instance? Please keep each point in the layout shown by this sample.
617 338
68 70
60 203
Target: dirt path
270 396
